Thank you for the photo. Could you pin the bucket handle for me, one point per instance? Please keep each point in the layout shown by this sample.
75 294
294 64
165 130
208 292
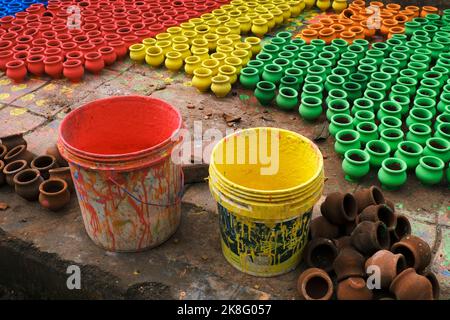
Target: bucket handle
176 202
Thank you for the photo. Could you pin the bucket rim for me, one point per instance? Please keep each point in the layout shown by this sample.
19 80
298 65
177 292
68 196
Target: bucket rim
315 176
129 155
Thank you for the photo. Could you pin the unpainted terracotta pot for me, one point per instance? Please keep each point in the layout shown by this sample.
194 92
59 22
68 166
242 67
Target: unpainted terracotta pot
18 153
353 288
13 141
343 242
379 212
63 173
2 175
402 229
434 283
389 264
349 263
44 164
54 194
3 151
27 182
320 253
53 151
409 285
339 208
416 251
315 284
369 237
348 228
368 196
390 204
322 228
11 169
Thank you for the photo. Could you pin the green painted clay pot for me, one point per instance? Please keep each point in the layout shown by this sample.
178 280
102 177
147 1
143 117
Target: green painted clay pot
362 104
310 108
258 65
355 165
368 131
340 122
443 131
334 82
435 75
287 98
294 72
392 137
340 44
382 77
389 108
376 97
279 42
363 43
409 73
307 56
350 65
410 83
319 71
265 57
338 106
369 61
437 147
366 69
419 115
324 63
336 94
383 46
359 50
403 101
435 48
401 57
393 72
389 122
398 89
265 92
290 82
444 71
314 80
419 133
378 151
377 55
302 65
403 49
363 116
291 48
282 62
272 73
360 78
349 56
271 49
410 152
430 170
312 90
392 174
377 86
339 71
425 103
284 35
309 48
353 90
419 67
249 77
389 62
432 84
393 42
328 55
410 27
319 44
425 93
346 140
288 55
298 42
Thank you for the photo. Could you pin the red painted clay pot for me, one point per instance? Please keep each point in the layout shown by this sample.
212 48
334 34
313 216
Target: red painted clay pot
416 251
87 48
369 237
353 288
11 169
53 52
119 48
26 184
22 56
54 194
130 40
108 55
402 229
16 70
322 228
35 64
368 196
97 42
389 264
315 284
94 62
73 70
6 45
380 212
40 42
54 66
5 57
409 285
339 208
349 263
75 55
320 253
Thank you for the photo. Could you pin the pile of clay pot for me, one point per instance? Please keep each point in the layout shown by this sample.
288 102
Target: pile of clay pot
360 249
45 178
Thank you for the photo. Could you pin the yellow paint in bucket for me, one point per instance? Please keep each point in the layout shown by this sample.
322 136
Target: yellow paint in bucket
266 182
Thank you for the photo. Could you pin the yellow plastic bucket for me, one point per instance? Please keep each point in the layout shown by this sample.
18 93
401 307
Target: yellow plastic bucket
265 182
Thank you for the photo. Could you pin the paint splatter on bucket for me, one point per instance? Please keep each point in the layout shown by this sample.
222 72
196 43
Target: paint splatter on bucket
119 153
266 182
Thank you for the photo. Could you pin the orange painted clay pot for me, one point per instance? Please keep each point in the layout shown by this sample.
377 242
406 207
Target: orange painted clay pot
427 10
348 36
395 30
378 4
386 25
327 34
308 35
368 33
401 19
338 29
316 26
347 13
357 19
358 31
347 23
414 9
386 15
393 7
326 22
408 13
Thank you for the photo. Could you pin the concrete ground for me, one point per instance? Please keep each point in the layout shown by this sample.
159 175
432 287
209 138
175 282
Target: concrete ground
36 246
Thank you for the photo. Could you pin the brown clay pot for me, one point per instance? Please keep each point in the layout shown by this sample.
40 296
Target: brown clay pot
353 288
53 151
402 229
380 212
343 242
27 184
3 151
417 252
390 204
321 228
390 265
18 153
11 169
368 196
349 263
315 284
434 284
320 253
63 173
348 228
339 208
2 175
369 237
13 140
44 164
409 285
54 194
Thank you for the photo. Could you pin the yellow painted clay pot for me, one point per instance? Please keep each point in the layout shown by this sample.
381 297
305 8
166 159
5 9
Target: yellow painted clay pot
221 85
202 53
183 49
225 49
235 62
222 32
241 54
137 52
295 8
180 40
259 27
219 56
212 39
187 26
229 71
163 36
277 16
225 42
154 56
255 43
244 46
213 25
323 5
190 35
207 16
245 24
148 42
165 45
235 27
197 21
199 43
202 79
173 62
201 30
219 12
270 20
191 64
236 38
339 5
212 65
286 12
309 4
174 31
223 19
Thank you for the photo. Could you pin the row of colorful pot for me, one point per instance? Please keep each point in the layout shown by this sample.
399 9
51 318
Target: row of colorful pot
45 178
355 234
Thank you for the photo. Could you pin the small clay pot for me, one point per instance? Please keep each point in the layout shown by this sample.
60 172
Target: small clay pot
367 197
27 184
343 242
409 285
321 253
339 208
54 194
3 151
2 175
369 237
390 204
321 228
389 264
402 229
417 252
53 151
380 212
353 288
315 284
349 263
18 153
44 164
63 173
11 169
434 283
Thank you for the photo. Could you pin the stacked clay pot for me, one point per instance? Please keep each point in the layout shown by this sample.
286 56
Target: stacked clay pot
361 249
68 37
45 178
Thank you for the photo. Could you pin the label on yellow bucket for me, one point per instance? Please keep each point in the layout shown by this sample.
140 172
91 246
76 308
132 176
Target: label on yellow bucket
262 248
